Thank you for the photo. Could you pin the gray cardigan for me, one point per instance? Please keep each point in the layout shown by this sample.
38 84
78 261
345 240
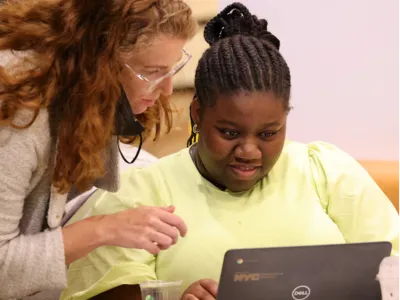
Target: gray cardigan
32 260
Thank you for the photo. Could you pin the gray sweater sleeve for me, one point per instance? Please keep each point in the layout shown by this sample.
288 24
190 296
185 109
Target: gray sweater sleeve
28 263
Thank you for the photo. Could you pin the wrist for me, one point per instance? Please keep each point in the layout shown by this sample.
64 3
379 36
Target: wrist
82 237
101 229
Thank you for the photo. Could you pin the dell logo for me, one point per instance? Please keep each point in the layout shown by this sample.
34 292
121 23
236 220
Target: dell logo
247 277
301 292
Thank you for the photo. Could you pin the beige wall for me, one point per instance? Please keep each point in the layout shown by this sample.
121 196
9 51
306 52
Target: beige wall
203 10
185 78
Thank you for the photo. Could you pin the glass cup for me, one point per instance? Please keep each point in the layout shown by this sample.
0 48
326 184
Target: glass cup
161 290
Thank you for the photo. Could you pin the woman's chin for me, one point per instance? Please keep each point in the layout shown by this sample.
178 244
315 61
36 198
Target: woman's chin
139 109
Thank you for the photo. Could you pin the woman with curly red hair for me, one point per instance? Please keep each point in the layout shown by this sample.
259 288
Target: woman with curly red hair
73 76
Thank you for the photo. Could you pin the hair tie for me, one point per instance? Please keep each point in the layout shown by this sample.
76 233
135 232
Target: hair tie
229 13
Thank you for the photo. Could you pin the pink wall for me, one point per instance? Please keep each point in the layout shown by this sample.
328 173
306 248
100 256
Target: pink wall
344 58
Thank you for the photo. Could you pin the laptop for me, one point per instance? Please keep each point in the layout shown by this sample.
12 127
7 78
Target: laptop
326 272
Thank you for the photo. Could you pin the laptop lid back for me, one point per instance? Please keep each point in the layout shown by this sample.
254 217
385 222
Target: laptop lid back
329 272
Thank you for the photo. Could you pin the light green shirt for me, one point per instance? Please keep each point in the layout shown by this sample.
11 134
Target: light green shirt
315 194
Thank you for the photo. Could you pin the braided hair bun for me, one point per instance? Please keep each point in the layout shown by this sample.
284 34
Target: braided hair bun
236 19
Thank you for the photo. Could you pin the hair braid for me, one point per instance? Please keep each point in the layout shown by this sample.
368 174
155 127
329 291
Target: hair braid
243 56
256 73
231 76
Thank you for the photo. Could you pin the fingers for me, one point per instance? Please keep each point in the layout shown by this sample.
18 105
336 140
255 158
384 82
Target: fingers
199 294
189 297
211 286
205 289
150 247
169 209
147 227
163 241
166 229
174 221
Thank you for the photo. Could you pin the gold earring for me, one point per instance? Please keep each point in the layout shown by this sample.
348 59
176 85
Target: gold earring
196 129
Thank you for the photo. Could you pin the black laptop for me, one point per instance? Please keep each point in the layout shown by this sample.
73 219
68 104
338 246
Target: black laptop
326 272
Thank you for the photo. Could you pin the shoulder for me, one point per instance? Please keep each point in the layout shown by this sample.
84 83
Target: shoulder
328 153
174 163
165 172
326 163
38 132
11 60
333 162
322 153
140 186
9 57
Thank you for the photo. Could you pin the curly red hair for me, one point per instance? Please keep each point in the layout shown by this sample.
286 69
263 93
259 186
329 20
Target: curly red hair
73 50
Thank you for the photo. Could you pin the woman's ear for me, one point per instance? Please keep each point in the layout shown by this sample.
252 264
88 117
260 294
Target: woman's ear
195 111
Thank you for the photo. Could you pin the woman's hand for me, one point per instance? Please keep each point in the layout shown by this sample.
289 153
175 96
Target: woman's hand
205 289
146 227
149 228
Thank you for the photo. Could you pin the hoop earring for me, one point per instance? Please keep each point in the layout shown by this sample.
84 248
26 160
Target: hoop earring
196 129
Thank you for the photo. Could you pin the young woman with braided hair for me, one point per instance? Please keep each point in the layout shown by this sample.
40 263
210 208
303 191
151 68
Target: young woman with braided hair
73 76
242 185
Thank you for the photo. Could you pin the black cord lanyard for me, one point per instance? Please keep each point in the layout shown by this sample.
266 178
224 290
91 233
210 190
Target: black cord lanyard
127 125
137 153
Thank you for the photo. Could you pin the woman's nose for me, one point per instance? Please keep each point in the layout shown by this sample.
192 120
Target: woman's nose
248 151
167 86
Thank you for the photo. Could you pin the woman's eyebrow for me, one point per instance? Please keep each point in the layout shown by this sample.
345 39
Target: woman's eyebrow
161 66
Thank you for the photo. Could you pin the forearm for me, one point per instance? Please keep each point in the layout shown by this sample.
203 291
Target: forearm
82 237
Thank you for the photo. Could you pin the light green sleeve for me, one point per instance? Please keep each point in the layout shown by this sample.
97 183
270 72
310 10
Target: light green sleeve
352 199
108 267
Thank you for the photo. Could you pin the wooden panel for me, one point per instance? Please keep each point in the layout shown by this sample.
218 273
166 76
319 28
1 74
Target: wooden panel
386 175
197 46
176 139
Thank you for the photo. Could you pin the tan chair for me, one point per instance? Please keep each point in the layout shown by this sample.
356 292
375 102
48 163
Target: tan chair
386 175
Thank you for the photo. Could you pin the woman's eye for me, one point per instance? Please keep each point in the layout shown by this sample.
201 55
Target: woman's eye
153 72
229 133
268 134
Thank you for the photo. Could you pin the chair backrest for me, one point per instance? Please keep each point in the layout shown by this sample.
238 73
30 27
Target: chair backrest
386 175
